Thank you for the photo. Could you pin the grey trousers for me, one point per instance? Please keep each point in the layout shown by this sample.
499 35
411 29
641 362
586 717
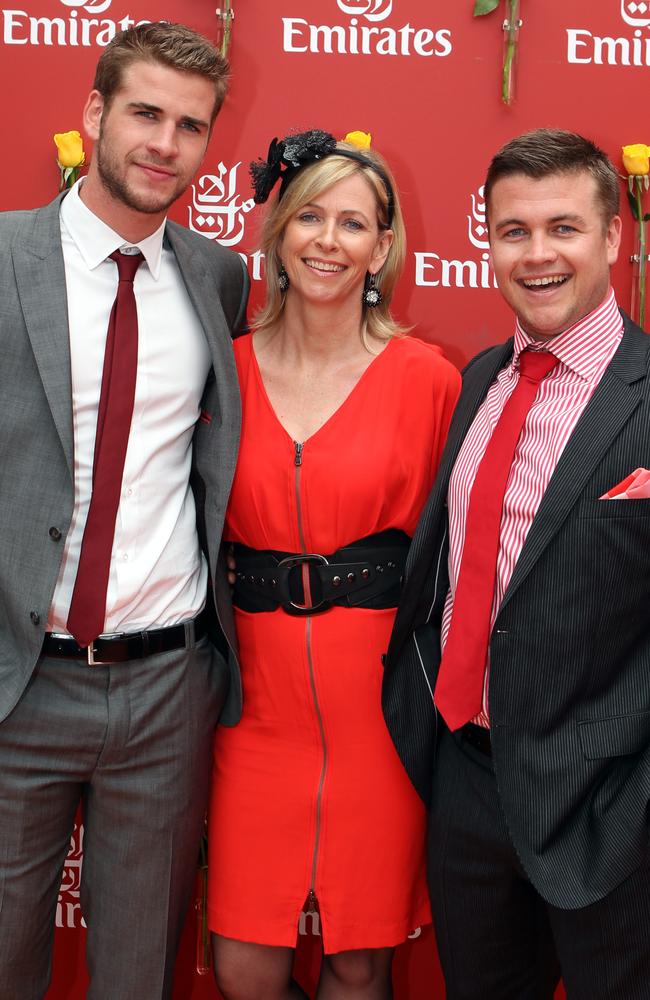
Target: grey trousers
131 742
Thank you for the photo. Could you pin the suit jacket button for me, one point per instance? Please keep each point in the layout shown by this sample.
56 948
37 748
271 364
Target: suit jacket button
55 534
35 617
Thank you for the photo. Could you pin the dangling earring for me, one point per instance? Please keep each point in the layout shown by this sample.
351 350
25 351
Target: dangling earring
371 296
283 279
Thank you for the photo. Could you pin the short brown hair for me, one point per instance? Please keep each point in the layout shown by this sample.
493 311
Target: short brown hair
546 151
308 183
173 45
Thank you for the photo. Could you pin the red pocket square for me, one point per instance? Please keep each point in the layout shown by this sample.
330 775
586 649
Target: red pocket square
205 417
636 486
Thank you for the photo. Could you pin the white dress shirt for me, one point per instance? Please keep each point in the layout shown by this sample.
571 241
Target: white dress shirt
158 574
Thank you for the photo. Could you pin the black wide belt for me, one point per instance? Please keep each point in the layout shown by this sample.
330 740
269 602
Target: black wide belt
477 737
123 646
364 574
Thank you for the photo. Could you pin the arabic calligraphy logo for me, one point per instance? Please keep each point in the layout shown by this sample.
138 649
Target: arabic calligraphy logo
636 13
372 10
68 910
90 6
216 210
477 223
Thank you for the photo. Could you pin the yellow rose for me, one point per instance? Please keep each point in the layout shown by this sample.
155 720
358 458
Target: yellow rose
361 140
636 159
70 149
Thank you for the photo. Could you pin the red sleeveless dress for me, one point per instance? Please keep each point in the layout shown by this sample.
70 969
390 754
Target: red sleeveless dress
310 803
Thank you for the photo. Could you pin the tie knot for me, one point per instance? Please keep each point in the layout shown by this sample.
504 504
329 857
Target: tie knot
127 264
535 365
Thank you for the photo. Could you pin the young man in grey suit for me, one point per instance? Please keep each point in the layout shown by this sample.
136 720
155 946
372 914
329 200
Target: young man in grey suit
520 658
110 687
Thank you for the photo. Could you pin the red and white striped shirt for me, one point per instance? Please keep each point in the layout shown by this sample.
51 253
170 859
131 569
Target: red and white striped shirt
584 351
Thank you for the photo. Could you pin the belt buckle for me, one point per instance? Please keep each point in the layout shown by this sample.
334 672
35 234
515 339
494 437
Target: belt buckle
311 558
91 653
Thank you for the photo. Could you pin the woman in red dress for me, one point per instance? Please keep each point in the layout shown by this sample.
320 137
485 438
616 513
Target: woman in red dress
344 420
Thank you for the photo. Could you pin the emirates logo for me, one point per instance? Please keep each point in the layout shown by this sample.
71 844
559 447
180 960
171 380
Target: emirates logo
217 210
627 48
372 10
636 13
90 6
434 270
366 33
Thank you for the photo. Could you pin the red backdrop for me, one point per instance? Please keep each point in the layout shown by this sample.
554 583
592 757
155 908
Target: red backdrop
423 76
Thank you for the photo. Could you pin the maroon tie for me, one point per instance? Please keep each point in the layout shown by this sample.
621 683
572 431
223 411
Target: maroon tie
459 689
88 605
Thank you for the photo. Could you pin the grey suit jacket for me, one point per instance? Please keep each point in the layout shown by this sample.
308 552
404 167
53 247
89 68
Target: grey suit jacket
36 436
570 648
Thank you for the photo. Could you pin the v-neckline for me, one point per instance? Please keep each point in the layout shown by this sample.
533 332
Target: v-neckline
332 416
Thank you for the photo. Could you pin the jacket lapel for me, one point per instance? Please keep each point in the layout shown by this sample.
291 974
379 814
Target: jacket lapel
204 295
611 406
40 281
477 379
424 553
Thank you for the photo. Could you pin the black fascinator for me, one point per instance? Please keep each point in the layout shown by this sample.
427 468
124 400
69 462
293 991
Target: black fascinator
285 157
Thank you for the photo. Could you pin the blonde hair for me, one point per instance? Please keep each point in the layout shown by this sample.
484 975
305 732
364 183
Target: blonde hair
308 183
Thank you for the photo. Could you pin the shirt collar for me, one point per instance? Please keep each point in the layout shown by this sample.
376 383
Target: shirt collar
584 345
96 241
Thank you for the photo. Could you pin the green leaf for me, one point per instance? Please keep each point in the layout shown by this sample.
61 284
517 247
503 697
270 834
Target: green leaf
484 7
633 206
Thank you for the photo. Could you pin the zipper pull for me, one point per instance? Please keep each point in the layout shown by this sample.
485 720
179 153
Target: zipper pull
298 456
312 901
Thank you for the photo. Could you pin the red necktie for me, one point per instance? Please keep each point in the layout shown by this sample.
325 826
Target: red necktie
88 605
459 688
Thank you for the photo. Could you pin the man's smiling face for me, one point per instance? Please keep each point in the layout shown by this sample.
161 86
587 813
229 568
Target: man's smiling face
551 248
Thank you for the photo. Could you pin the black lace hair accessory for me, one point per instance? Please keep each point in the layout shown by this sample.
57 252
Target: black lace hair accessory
287 156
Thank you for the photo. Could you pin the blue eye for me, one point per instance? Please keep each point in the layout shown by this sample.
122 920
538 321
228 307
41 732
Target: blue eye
353 225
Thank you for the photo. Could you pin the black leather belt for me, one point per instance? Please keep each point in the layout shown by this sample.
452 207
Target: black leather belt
477 737
123 646
366 573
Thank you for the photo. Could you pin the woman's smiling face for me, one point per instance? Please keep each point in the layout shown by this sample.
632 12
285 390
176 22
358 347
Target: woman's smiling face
330 243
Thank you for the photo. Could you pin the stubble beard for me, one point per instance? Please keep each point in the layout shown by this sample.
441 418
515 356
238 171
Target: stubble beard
118 188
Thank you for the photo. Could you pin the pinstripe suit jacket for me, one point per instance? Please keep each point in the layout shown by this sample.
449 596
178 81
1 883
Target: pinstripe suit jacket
36 432
569 651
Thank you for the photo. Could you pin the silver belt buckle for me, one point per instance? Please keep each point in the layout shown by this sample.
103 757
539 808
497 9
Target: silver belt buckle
90 650
298 560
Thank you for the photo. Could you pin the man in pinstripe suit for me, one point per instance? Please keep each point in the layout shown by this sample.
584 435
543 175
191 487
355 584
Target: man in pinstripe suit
538 842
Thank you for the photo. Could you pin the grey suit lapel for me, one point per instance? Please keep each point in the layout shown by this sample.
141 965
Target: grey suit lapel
612 404
40 281
205 299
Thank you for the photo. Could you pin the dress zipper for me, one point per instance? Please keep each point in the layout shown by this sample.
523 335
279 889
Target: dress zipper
312 680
